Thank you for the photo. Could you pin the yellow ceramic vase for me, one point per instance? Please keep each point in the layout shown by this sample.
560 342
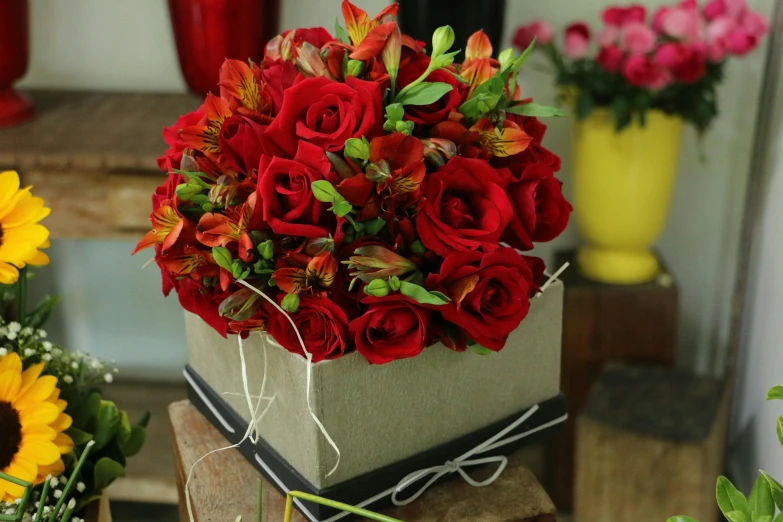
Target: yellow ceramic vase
622 185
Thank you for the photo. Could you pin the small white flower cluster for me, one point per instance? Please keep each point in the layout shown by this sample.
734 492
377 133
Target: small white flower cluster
50 503
76 368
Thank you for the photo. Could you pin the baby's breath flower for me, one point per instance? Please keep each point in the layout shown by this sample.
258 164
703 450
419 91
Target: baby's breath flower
29 352
3 352
13 326
67 379
109 378
41 334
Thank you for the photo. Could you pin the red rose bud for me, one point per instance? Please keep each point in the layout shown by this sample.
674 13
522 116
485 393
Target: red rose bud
375 262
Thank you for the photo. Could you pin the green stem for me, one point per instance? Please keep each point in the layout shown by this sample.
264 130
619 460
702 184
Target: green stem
337 505
260 501
71 481
415 82
21 297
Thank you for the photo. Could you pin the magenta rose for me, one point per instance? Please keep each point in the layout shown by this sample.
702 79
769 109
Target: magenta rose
285 196
326 113
465 207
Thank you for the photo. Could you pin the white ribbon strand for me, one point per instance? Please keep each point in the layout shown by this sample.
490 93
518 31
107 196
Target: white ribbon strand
309 357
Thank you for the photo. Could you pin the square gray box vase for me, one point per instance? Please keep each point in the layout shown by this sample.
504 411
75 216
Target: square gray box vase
379 415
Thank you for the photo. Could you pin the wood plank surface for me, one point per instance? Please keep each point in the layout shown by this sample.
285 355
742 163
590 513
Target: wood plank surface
224 485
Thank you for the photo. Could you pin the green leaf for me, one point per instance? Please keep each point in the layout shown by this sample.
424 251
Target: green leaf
775 393
681 518
135 442
341 33
79 437
736 516
123 428
729 499
536 110
481 350
144 420
107 422
372 227
780 430
106 472
779 518
88 410
38 317
341 207
324 191
395 112
421 295
223 258
760 499
584 104
777 490
423 93
755 517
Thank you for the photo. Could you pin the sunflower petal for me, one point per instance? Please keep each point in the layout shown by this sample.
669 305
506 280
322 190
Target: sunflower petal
9 185
30 375
43 453
28 211
43 414
8 274
37 393
11 363
10 382
62 423
64 443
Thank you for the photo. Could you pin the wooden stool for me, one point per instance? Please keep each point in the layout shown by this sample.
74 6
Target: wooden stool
224 485
650 446
634 324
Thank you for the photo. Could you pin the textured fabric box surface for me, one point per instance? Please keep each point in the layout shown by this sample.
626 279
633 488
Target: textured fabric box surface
379 415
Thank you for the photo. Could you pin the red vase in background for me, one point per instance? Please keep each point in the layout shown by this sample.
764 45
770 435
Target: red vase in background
14 56
209 31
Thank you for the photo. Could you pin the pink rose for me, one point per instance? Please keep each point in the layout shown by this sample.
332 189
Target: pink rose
637 38
538 29
620 16
609 36
686 63
682 22
577 41
754 24
643 72
611 58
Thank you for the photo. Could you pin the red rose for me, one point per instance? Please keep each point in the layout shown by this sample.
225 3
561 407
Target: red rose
315 36
620 16
490 293
170 160
194 300
242 143
540 210
322 324
640 71
279 76
465 207
393 327
285 197
326 113
434 112
687 63
611 58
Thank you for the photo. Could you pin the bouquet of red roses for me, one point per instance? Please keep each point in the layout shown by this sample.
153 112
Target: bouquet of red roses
378 194
671 59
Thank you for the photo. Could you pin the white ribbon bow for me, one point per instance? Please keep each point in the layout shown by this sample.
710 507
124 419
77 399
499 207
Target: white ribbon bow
459 464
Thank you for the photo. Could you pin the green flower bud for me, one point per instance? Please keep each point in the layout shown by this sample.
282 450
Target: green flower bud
187 191
324 191
442 40
417 247
267 249
354 68
290 303
394 283
505 58
357 148
188 164
223 258
405 127
377 288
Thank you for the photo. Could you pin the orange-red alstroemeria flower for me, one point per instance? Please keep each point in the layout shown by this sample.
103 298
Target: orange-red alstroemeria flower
206 135
320 272
167 224
359 24
189 261
501 143
479 66
243 89
221 230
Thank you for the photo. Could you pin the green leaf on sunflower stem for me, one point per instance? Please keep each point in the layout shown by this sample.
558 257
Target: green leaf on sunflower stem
107 423
420 295
779 518
760 499
536 110
341 33
106 472
135 442
324 191
40 315
777 490
681 518
736 516
755 517
79 437
729 498
423 93
775 393
88 411
144 421
124 428
780 430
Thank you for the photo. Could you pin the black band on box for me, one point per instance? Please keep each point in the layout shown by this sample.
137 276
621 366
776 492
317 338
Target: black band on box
371 490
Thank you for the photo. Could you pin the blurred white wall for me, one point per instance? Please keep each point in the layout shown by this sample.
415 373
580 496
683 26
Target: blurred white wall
121 45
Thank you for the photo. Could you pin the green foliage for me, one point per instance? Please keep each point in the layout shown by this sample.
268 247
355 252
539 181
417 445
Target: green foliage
424 93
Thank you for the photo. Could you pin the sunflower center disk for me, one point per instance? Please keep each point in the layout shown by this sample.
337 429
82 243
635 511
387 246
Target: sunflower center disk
10 433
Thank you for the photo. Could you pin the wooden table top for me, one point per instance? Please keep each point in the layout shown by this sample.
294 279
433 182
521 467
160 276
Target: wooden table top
93 130
224 485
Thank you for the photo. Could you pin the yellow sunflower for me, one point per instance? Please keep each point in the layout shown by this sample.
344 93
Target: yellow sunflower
21 237
32 423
